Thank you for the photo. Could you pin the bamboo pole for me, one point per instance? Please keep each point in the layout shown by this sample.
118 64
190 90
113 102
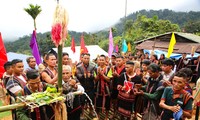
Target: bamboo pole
60 68
12 107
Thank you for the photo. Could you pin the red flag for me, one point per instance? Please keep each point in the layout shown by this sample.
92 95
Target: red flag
73 45
83 48
3 56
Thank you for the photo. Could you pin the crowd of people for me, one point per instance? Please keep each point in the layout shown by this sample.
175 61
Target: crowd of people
124 83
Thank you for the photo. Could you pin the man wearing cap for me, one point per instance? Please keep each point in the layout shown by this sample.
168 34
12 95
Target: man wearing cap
177 103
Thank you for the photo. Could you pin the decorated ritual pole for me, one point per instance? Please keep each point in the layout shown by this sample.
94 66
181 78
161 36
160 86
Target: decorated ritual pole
59 33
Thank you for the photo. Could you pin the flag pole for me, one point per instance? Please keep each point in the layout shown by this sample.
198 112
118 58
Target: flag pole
125 18
124 33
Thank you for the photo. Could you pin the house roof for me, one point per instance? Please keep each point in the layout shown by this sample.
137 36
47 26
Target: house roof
189 36
189 42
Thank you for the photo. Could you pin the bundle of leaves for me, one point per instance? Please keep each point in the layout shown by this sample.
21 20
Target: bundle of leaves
49 96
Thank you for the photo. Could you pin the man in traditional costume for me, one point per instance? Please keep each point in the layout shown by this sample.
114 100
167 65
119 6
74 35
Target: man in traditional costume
117 70
50 73
18 80
152 93
177 103
102 100
85 73
34 85
126 83
72 85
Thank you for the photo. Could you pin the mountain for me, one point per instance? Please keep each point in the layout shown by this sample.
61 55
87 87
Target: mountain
182 19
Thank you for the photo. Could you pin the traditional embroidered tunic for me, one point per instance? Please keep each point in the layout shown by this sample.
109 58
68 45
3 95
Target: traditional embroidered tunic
103 91
85 75
115 81
16 83
49 72
126 99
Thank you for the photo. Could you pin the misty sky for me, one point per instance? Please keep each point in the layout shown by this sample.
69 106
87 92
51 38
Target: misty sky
84 15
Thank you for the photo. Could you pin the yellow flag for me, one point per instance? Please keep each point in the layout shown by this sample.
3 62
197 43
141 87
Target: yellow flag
129 46
109 73
171 45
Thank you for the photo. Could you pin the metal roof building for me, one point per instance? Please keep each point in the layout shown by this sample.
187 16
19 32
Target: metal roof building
185 42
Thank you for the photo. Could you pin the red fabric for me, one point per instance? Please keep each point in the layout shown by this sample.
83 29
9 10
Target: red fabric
102 80
198 104
73 45
120 69
83 48
37 111
128 86
3 56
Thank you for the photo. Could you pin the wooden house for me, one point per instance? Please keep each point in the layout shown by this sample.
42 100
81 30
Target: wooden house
185 43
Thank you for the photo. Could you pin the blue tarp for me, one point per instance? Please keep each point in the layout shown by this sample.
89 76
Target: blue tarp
173 55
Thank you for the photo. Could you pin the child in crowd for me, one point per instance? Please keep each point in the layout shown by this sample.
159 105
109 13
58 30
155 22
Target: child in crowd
189 74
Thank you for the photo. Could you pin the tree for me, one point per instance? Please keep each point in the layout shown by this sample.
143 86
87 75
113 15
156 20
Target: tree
144 27
192 27
33 11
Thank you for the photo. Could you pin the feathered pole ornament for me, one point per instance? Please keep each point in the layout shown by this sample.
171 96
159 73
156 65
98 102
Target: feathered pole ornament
59 27
59 36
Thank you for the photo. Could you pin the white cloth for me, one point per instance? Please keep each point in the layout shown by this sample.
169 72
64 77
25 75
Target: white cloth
22 78
167 76
15 89
80 88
